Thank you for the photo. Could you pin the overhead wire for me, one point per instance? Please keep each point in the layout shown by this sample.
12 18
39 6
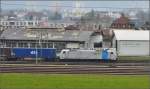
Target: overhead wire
74 6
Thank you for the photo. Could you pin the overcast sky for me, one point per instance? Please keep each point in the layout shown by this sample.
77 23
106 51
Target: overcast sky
45 4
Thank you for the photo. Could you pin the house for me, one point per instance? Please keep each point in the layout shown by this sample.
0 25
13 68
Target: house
131 42
122 23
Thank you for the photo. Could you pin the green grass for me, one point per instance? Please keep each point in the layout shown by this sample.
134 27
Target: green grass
73 81
134 57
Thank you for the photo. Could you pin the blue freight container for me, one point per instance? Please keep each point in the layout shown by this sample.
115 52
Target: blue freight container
47 53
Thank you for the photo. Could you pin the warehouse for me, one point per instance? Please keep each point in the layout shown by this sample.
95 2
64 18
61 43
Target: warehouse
58 38
131 42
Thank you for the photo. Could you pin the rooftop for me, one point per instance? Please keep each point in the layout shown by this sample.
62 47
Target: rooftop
131 34
46 34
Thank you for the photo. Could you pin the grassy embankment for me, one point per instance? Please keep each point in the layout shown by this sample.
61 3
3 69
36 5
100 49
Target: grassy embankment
73 81
140 58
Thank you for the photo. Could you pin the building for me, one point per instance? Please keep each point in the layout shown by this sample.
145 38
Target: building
18 23
146 26
35 23
49 38
131 42
61 23
107 38
122 23
76 12
35 16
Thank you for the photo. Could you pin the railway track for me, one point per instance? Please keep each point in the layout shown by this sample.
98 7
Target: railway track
75 69
138 63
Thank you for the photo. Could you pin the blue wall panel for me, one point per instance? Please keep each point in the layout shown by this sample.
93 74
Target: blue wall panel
105 55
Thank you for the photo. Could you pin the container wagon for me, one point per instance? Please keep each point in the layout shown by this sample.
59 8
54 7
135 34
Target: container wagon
5 54
45 53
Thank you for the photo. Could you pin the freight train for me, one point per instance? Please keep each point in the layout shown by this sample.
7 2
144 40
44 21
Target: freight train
50 54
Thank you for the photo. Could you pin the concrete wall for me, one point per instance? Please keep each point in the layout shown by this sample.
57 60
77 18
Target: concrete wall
95 39
133 48
72 45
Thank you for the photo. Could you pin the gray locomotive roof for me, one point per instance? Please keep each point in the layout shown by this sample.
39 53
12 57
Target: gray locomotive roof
53 35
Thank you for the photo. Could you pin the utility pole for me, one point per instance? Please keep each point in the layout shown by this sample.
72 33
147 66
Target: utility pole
149 24
37 44
149 29
36 52
40 44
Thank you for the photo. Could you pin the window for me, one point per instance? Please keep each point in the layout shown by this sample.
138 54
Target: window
51 25
17 23
12 23
8 44
30 23
33 45
35 23
6 23
44 45
50 45
98 45
20 44
95 26
25 45
21 23
13 44
3 23
62 25
59 46
55 25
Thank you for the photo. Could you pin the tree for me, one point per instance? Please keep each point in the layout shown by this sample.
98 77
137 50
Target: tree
143 16
90 15
55 16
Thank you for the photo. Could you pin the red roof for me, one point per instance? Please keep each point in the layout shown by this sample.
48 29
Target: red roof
121 20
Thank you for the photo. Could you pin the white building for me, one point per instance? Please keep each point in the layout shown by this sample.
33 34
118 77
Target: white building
76 12
18 23
131 42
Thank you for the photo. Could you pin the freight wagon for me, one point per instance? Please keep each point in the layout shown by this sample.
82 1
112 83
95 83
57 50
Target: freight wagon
5 53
